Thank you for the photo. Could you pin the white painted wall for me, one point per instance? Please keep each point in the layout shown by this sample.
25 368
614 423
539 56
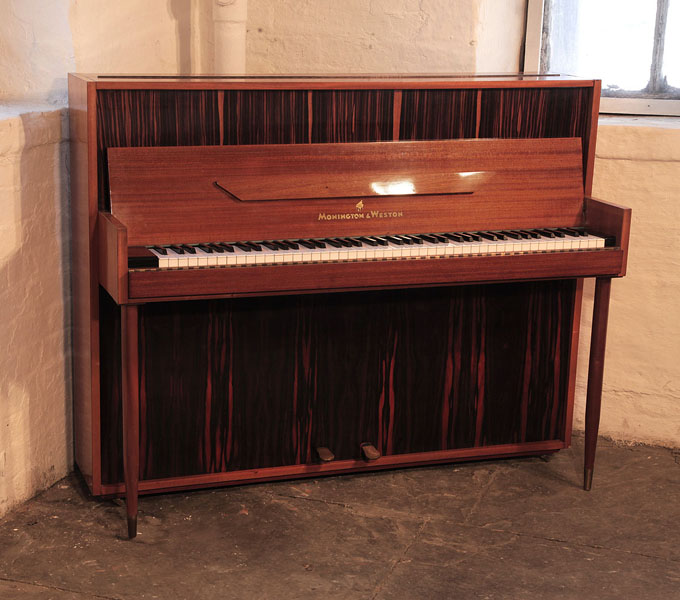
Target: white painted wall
638 165
35 368
36 50
41 41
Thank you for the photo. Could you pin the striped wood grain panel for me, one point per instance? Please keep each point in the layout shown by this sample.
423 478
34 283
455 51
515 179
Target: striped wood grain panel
253 383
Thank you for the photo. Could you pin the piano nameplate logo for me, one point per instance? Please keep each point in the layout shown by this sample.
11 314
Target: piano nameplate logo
369 214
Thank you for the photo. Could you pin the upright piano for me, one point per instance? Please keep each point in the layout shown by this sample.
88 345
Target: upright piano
279 277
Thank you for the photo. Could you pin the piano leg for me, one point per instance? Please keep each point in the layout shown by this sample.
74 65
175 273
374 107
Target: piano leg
595 371
130 376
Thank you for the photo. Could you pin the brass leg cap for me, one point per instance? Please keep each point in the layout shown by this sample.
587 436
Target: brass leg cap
587 479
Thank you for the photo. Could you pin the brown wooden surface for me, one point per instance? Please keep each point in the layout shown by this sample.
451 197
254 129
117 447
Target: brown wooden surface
113 256
153 285
169 484
167 195
325 81
85 377
598 341
589 157
610 219
130 386
111 112
269 379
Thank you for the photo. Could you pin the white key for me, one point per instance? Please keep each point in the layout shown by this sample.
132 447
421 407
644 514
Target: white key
182 259
163 259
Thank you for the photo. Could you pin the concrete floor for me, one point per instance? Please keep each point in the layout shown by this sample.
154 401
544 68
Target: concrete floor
520 528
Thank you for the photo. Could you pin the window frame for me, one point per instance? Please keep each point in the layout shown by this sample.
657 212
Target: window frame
533 59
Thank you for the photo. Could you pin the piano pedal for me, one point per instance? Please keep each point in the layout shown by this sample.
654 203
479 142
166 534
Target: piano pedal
369 451
325 454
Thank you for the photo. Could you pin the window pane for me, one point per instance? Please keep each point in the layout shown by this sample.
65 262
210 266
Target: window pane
610 40
671 55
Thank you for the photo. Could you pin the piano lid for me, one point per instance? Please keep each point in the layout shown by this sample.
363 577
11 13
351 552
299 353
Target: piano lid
187 194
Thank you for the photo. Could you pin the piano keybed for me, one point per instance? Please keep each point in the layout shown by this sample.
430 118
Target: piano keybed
343 249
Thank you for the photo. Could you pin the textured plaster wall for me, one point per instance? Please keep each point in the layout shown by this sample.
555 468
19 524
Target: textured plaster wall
40 42
35 370
639 166
36 50
373 36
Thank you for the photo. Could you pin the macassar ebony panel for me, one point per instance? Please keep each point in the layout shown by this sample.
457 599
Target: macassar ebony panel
537 113
352 116
153 118
250 383
438 114
265 117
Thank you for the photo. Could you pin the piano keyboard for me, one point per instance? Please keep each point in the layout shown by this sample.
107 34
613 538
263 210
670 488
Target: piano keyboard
334 249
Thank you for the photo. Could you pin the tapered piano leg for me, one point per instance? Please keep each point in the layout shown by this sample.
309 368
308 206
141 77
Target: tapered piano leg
595 371
130 368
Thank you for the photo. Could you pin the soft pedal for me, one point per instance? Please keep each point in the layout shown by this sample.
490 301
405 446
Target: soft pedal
369 451
325 454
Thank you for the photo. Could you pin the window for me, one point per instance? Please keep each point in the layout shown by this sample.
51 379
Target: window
632 45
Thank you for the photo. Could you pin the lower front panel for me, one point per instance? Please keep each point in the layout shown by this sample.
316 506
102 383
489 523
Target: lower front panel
258 383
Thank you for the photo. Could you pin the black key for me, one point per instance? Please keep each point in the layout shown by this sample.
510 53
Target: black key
404 238
189 249
440 238
255 246
569 232
487 235
557 232
511 234
243 246
177 249
532 233
332 243
381 240
160 250
270 245
523 234
227 247
344 243
205 248
546 233
415 238
217 248
369 241
499 235
427 238
453 237
394 240
582 232
306 244
291 245
355 242
318 243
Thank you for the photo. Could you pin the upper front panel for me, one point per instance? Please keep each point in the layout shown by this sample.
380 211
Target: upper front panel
208 194
175 116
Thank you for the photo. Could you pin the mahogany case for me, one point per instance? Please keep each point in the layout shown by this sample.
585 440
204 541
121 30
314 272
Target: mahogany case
242 373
